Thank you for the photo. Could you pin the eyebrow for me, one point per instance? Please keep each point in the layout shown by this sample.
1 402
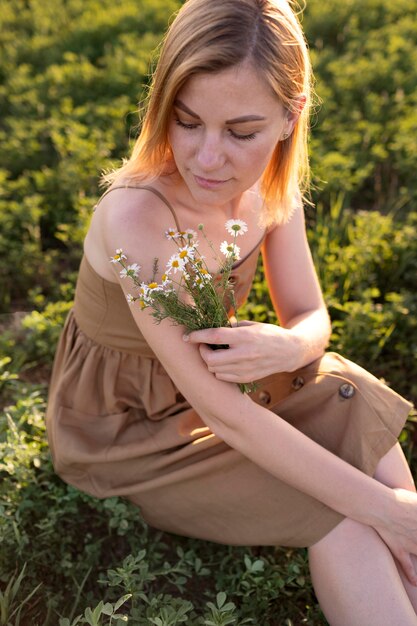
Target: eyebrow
235 120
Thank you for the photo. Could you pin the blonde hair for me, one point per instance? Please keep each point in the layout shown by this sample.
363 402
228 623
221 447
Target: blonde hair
210 36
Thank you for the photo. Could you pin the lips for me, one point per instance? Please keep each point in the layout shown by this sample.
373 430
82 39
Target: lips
208 183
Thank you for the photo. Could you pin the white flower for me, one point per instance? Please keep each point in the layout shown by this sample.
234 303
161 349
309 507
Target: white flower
236 227
130 270
118 256
171 233
135 268
186 253
230 249
130 298
190 233
203 277
146 290
153 287
204 274
165 280
175 264
199 282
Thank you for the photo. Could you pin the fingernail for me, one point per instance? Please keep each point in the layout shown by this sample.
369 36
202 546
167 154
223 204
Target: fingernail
186 337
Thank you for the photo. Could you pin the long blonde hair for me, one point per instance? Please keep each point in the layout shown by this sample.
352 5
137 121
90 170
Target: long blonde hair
210 36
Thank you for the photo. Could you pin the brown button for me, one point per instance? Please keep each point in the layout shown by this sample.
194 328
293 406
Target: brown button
297 383
346 391
232 280
265 397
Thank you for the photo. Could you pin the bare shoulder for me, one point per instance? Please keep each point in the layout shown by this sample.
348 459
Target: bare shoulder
133 219
288 232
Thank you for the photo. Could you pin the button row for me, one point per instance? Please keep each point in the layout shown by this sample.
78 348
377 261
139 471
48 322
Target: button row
346 390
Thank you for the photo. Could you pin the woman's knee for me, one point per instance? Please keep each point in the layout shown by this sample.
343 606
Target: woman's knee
393 470
344 538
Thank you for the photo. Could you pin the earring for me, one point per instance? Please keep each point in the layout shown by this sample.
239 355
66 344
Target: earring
285 136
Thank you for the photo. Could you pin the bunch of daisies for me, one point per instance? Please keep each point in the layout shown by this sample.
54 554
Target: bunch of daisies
209 299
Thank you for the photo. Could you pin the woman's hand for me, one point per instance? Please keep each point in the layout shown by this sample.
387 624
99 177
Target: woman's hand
255 350
399 530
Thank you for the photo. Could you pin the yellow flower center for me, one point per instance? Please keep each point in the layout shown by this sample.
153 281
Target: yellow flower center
153 285
183 254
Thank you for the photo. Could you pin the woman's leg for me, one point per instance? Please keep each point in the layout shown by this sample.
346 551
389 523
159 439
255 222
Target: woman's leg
354 574
393 470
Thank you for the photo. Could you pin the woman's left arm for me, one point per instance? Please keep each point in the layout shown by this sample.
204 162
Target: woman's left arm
295 290
257 349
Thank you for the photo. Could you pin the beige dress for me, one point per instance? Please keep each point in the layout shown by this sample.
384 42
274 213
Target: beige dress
117 425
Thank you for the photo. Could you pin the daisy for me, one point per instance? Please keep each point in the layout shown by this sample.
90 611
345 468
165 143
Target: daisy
130 298
199 282
165 280
118 256
144 294
190 233
130 270
186 253
171 233
204 274
153 286
202 278
236 227
230 249
175 264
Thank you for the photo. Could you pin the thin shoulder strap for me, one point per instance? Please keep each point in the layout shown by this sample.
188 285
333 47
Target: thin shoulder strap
148 188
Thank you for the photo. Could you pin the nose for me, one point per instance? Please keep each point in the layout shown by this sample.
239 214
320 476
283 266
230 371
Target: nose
210 154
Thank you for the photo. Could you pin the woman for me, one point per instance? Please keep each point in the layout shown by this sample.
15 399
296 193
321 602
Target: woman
148 412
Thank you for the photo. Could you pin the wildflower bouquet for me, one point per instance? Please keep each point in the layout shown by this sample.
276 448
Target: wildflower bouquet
209 299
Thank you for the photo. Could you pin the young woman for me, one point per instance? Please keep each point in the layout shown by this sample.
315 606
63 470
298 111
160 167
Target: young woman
148 412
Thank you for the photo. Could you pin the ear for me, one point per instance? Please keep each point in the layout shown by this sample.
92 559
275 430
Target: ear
292 115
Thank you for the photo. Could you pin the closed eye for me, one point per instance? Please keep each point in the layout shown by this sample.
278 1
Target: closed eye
191 126
184 125
243 137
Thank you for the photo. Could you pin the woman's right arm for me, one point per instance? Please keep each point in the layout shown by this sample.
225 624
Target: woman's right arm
262 436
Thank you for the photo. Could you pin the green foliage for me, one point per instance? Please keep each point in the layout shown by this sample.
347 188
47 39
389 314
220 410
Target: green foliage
365 61
72 74
10 608
71 80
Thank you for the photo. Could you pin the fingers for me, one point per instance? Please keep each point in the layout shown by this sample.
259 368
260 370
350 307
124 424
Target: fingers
217 359
228 370
209 335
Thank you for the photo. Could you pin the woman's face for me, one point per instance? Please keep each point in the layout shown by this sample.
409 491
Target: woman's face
223 131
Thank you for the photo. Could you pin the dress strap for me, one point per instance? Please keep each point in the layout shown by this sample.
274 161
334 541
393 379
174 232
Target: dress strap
148 188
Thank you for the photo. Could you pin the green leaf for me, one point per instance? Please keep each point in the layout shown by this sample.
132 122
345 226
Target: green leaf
221 599
122 600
